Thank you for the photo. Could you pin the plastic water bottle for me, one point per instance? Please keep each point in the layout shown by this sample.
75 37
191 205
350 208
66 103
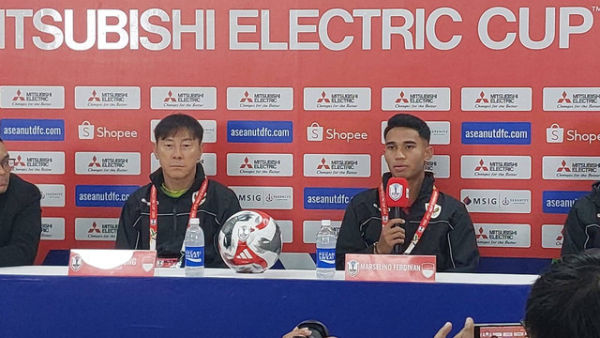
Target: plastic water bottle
326 239
194 249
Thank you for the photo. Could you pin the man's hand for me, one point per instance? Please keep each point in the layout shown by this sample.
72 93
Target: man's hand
467 332
296 332
391 234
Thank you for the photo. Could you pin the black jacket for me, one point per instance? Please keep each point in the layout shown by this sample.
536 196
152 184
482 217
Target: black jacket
450 234
20 222
173 216
582 228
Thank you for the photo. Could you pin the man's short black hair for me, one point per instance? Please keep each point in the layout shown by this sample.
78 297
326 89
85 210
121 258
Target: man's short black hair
409 121
1 140
565 301
170 125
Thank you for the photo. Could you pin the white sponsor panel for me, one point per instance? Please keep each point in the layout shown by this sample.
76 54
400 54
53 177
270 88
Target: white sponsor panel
88 131
260 98
337 99
183 98
265 197
318 133
415 99
501 235
209 127
107 163
497 201
552 236
439 165
239 164
495 167
209 163
440 132
496 99
53 229
96 229
102 97
53 195
287 230
572 99
570 168
337 165
32 97
38 162
311 228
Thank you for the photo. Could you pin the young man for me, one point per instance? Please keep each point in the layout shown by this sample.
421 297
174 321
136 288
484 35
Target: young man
20 216
582 228
449 232
178 190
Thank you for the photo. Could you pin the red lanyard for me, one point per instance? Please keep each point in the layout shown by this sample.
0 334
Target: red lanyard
154 210
424 221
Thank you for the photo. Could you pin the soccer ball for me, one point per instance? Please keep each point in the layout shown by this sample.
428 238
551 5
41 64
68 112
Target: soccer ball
250 241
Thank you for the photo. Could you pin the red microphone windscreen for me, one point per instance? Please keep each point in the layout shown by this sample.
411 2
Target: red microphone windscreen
397 192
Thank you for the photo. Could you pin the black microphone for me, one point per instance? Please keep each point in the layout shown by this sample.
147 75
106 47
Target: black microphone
396 198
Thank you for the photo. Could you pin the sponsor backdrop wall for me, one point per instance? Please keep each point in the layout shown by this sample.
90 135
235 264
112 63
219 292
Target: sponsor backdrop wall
293 96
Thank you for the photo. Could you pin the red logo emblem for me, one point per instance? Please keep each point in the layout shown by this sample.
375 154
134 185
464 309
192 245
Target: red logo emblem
481 234
323 165
482 98
246 164
563 167
481 166
18 97
246 97
169 97
401 99
94 162
94 228
94 97
19 162
564 98
323 98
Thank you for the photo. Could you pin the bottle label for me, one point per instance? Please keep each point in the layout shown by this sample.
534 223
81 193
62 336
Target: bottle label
326 258
194 256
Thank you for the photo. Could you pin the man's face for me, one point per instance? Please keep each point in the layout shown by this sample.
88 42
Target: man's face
178 154
4 168
406 152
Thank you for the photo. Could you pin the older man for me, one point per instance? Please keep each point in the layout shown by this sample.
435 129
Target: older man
20 216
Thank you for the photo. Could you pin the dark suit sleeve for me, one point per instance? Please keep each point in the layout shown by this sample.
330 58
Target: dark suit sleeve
26 230
127 235
464 250
349 239
574 230
230 206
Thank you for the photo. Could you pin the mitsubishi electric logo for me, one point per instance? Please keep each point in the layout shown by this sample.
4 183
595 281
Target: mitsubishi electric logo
337 165
572 99
496 167
32 97
496 99
183 98
482 99
570 168
107 163
337 99
260 98
107 97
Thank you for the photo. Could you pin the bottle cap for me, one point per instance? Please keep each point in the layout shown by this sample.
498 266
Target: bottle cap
325 222
194 221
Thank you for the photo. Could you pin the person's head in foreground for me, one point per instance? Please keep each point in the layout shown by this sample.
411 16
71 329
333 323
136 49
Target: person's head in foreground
565 301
